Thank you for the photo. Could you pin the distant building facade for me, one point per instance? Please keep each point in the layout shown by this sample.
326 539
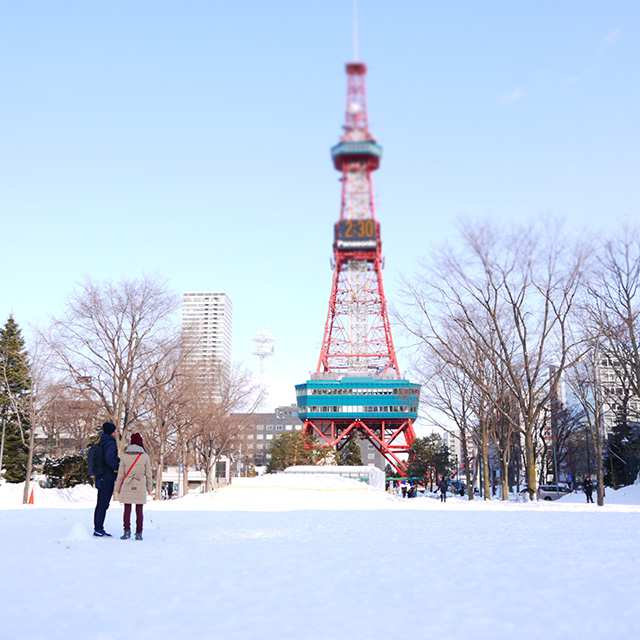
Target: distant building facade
605 373
260 429
207 320
615 392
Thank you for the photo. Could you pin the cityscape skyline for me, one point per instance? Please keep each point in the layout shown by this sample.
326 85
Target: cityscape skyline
194 142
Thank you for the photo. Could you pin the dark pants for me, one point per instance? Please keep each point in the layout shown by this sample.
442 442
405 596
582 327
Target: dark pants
443 496
105 492
589 498
127 518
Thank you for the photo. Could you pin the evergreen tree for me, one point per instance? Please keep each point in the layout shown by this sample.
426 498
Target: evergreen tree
67 471
15 384
621 460
289 449
429 459
351 456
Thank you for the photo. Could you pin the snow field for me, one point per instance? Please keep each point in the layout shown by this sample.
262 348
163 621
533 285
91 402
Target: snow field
273 561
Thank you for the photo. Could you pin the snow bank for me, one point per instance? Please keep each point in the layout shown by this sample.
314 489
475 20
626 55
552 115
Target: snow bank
79 496
287 492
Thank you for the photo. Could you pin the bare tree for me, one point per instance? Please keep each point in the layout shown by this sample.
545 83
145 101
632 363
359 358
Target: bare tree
447 404
613 305
584 383
110 339
503 432
216 392
68 419
610 327
511 293
165 408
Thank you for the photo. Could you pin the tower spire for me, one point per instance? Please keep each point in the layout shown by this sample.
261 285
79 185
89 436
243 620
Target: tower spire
355 30
357 332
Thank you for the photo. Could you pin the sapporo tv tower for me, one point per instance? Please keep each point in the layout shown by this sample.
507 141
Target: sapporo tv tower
357 390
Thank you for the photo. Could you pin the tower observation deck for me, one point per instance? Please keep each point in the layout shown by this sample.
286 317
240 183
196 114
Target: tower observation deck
357 390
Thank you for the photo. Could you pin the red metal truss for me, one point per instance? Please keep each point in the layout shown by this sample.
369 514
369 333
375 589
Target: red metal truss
357 332
343 348
356 117
357 338
382 434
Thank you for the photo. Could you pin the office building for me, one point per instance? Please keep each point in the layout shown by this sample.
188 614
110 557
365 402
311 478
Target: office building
207 318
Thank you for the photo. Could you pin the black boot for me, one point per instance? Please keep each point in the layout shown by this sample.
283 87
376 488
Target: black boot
126 535
138 536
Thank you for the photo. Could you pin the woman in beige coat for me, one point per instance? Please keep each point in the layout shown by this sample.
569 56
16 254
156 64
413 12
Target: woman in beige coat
134 481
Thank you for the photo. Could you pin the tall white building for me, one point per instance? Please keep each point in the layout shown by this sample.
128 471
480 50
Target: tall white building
615 392
207 318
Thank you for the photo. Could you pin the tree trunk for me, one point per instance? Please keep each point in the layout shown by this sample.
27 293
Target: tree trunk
27 480
158 492
504 476
467 470
599 466
486 474
532 484
185 472
597 436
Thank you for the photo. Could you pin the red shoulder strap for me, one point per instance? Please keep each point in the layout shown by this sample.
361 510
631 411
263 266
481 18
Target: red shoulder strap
131 467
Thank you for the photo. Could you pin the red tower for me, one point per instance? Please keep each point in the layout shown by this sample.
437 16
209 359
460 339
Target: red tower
358 367
357 334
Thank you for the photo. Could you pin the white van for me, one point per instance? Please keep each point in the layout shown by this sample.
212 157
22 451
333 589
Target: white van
552 491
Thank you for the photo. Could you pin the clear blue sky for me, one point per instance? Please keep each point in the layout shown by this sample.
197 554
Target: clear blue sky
192 139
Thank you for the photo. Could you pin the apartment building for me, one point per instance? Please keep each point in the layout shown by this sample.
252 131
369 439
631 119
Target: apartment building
207 318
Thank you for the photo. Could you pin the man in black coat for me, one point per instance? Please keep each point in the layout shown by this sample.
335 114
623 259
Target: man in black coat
443 485
106 482
587 485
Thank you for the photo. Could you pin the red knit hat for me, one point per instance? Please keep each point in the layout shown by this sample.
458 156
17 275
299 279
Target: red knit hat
136 438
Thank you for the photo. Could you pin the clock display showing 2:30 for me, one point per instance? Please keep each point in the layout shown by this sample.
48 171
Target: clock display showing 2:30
358 229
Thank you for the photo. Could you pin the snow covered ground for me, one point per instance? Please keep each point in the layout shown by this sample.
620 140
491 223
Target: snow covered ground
320 558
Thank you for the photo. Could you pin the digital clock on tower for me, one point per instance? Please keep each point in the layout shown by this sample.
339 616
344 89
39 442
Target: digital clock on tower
357 234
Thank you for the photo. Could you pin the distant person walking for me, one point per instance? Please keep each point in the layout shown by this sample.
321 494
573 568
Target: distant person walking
587 485
134 481
443 485
105 481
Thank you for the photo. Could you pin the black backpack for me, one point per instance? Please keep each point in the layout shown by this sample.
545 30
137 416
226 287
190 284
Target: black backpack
96 461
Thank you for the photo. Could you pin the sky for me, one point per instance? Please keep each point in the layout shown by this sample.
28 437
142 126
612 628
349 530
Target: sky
191 140
320 560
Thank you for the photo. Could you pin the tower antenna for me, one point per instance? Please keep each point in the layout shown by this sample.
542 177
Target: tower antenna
355 30
264 350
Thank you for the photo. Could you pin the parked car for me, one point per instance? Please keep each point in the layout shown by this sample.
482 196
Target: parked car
552 491
524 494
